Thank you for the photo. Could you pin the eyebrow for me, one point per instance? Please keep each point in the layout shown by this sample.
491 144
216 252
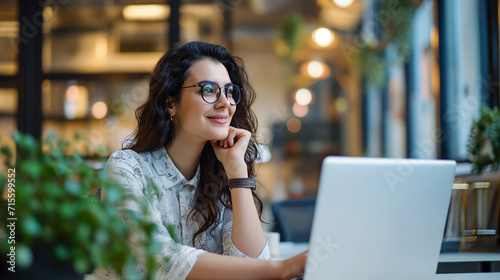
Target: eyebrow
212 82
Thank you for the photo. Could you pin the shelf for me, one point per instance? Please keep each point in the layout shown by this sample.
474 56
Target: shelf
108 77
8 81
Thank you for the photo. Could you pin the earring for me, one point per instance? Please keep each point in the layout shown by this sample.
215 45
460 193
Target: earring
172 118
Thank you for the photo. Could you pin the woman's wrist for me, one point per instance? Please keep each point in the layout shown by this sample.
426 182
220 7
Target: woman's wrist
238 170
277 269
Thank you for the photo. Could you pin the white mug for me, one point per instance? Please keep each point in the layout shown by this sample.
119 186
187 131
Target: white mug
273 238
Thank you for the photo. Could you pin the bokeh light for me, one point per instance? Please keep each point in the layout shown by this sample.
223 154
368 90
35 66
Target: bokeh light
99 110
75 101
341 105
315 69
343 3
323 37
72 93
293 125
303 96
300 110
146 12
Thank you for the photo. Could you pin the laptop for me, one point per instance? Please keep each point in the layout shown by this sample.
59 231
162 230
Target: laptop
379 218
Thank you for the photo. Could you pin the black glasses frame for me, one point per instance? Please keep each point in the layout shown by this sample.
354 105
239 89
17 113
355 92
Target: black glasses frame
201 85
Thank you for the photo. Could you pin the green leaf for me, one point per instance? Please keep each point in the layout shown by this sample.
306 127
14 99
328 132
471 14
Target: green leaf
484 141
48 233
154 247
5 150
30 226
61 252
101 236
26 143
52 189
113 195
24 257
49 206
30 168
67 210
83 232
97 214
171 231
81 265
72 187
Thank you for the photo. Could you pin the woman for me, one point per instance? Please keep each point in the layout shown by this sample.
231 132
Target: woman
195 141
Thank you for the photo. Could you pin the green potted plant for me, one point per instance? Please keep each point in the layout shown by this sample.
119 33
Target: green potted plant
54 220
484 149
484 141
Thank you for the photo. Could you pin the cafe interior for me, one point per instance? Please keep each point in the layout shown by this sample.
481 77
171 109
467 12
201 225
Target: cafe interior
358 78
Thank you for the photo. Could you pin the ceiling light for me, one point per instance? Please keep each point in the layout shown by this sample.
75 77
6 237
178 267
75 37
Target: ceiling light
343 3
146 12
315 69
323 37
303 96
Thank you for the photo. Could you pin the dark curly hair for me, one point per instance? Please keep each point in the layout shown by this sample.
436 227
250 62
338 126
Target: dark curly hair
155 130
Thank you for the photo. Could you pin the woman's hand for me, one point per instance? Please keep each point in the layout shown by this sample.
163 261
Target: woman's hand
231 152
294 266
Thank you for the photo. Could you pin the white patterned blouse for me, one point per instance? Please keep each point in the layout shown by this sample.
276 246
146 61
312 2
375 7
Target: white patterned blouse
170 206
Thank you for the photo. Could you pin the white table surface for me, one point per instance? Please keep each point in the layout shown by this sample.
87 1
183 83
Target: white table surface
469 257
290 249
469 276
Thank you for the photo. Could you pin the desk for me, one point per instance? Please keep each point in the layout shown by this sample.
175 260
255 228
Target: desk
478 261
469 257
468 276
290 249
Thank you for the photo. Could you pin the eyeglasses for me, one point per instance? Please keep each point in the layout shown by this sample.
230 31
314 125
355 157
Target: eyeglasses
211 92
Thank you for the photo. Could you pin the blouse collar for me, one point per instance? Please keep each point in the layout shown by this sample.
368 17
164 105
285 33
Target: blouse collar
172 173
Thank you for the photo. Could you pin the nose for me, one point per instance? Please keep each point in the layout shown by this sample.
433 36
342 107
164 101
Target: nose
223 100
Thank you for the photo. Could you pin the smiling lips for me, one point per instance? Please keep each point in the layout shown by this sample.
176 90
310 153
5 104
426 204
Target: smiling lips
219 119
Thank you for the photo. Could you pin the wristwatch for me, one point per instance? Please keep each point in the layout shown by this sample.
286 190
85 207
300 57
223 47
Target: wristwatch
243 183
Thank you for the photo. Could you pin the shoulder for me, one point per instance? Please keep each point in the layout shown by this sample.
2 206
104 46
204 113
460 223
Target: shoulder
128 161
129 157
123 156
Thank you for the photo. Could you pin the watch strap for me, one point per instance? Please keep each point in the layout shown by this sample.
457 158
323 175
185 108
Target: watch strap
248 183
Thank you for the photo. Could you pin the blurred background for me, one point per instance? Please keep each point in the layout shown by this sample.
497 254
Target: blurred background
378 78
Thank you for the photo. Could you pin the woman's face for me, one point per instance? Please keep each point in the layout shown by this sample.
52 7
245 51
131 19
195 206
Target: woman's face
193 117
